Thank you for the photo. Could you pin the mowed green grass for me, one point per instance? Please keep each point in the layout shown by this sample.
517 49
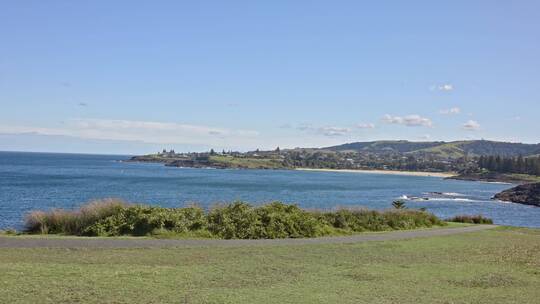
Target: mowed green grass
494 266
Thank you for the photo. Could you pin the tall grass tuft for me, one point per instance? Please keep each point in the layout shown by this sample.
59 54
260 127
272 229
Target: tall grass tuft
471 219
59 221
358 220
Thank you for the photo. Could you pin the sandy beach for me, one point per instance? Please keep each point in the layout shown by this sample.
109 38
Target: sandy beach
389 172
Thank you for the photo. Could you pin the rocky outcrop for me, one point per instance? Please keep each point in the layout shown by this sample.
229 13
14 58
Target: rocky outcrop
528 194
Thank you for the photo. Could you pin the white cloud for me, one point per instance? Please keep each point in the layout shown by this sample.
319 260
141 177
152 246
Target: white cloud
409 120
285 126
144 131
329 131
14 129
365 126
333 131
471 125
442 87
425 137
446 87
451 111
305 127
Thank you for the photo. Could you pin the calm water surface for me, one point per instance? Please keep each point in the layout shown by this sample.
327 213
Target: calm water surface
30 181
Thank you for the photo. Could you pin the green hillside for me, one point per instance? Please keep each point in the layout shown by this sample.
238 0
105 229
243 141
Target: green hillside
453 149
401 146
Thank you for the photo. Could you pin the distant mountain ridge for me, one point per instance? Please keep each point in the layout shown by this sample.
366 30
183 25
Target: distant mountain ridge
454 149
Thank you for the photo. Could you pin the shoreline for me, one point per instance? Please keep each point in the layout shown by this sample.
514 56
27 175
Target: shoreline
387 172
499 178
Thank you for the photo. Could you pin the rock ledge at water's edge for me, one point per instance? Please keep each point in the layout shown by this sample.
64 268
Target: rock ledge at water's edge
528 194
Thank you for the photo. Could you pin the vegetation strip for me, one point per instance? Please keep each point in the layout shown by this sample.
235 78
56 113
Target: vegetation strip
68 242
237 220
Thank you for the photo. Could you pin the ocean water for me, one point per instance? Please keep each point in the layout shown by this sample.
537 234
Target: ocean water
31 181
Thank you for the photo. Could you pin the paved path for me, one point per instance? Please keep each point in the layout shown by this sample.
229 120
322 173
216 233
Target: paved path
82 242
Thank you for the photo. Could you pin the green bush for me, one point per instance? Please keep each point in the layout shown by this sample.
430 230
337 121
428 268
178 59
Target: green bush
143 220
471 219
276 220
235 221
287 221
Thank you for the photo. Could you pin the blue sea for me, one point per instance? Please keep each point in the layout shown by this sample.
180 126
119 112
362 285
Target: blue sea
31 181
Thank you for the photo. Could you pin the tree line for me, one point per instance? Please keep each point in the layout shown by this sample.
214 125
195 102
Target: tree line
522 165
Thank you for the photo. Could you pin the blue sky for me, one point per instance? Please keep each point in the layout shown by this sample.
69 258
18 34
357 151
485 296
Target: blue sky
135 76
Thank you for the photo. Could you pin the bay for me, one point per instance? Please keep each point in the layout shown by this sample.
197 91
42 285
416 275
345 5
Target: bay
43 181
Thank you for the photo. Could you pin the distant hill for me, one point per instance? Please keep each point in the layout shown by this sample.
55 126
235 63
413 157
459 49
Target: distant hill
441 149
401 146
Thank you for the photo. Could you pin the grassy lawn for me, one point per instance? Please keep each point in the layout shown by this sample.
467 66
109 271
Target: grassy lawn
526 177
245 162
494 266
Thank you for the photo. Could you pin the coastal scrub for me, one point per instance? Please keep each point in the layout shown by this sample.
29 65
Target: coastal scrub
238 220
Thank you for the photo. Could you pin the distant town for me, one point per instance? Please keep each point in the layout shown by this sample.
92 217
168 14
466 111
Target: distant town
474 160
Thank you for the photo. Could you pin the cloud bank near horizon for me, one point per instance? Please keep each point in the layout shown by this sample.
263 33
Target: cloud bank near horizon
141 131
412 120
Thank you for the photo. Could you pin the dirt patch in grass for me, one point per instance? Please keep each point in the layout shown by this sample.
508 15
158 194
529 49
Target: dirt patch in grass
491 280
362 276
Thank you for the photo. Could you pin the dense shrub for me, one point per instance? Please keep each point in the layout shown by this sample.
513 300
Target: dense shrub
280 221
275 220
238 220
143 220
234 221
471 219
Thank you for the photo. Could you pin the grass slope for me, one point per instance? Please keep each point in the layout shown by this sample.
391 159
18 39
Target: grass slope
496 266
247 162
455 149
512 178
445 150
525 177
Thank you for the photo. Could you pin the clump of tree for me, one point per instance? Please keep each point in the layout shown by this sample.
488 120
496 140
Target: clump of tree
521 165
